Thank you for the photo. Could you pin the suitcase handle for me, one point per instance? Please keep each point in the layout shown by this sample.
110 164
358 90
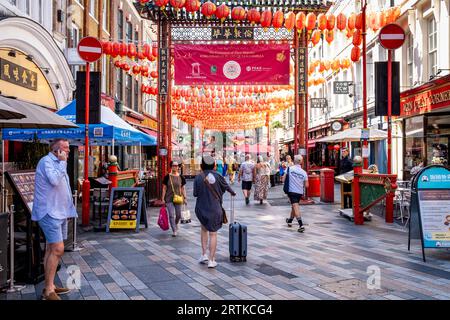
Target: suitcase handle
231 209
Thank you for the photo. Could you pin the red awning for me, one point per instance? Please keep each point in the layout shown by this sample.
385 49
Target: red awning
149 132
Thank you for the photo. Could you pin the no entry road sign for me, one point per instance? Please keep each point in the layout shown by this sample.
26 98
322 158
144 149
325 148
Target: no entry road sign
392 36
90 49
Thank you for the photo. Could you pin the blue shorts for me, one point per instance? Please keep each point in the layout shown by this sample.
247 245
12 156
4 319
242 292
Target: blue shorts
55 230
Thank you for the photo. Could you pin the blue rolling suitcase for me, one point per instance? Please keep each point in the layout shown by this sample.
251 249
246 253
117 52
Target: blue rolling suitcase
238 238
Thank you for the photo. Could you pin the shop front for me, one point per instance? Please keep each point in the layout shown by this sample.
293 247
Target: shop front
425 118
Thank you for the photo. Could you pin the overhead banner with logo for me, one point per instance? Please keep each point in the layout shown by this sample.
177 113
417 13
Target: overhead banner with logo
232 64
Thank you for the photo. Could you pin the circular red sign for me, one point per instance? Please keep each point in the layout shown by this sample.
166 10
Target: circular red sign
90 49
392 36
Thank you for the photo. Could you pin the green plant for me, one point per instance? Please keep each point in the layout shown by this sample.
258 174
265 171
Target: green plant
31 153
277 125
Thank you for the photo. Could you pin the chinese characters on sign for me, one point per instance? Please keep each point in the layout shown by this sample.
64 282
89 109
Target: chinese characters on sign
319 103
232 33
163 69
341 87
18 75
302 82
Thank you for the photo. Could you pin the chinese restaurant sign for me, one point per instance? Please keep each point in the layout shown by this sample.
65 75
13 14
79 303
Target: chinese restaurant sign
18 75
417 101
163 70
232 33
302 70
232 64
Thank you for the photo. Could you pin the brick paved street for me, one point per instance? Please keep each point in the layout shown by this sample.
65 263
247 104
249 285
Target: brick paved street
329 261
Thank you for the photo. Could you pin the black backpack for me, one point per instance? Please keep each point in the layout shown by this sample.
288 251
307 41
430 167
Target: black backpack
286 183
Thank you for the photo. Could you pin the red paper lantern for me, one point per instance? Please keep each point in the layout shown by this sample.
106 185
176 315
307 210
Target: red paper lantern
126 67
355 54
336 147
341 22
161 3
238 14
310 21
382 19
322 21
253 16
192 5
117 64
107 47
278 19
357 38
329 36
289 21
123 49
300 20
136 70
266 19
315 37
115 49
359 21
330 147
222 12
155 52
154 74
177 4
335 65
351 21
331 22
396 13
208 9
131 50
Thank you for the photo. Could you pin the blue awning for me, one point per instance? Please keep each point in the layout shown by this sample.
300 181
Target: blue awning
112 128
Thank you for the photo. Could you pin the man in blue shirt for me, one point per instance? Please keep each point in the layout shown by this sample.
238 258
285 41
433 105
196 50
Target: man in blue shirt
52 206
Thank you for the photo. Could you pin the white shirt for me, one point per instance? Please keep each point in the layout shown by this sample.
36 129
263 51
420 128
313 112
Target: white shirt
247 171
297 178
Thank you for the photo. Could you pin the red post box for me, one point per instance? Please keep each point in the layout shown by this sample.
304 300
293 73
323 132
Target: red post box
314 185
327 185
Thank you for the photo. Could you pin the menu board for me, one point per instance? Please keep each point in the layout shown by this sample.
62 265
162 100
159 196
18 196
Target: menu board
125 208
23 184
435 217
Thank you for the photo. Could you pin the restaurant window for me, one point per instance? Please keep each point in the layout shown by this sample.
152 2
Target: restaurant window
119 84
120 25
414 143
438 133
432 47
410 59
128 91
136 95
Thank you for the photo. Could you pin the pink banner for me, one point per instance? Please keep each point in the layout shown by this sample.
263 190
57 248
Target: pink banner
232 64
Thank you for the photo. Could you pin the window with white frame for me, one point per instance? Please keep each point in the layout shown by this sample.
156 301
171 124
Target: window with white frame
120 25
410 59
93 8
128 91
370 75
40 12
432 46
104 73
27 7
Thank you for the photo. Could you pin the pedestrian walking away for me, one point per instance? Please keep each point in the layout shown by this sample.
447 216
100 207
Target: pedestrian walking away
294 185
345 166
232 168
174 195
247 177
52 206
209 187
262 180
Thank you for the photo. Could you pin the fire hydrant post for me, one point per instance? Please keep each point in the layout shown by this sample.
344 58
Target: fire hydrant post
112 171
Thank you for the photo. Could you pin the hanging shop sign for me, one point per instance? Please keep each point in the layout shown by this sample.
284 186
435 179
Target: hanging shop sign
336 126
341 87
126 209
18 75
302 71
232 64
319 103
232 33
430 207
422 100
163 71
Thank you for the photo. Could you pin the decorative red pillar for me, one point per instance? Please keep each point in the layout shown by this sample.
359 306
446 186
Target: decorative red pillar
356 195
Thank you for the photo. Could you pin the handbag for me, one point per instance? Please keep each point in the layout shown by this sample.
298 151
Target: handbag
163 219
224 213
177 199
185 215
286 183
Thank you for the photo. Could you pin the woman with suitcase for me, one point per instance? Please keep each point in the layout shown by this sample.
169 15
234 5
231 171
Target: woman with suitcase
209 187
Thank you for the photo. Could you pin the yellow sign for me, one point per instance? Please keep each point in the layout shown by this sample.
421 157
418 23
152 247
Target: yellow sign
148 122
24 80
118 224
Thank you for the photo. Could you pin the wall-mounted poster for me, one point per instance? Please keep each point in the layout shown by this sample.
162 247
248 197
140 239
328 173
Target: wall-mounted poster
125 208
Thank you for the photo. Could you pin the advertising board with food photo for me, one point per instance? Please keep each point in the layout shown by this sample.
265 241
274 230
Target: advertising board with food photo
125 207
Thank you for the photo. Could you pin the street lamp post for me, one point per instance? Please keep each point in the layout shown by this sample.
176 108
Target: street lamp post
364 80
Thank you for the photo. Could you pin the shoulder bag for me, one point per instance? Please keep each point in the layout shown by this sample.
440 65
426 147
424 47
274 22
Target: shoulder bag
214 192
286 183
177 199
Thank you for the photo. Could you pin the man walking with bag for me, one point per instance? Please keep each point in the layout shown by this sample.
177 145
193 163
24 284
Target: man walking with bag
294 186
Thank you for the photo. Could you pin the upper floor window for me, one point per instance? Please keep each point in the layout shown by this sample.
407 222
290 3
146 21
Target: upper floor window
27 7
13 2
120 25
93 8
129 32
410 59
41 12
432 46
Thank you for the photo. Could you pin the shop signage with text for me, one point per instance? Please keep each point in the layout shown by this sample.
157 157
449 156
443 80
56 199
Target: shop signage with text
419 103
18 75
232 33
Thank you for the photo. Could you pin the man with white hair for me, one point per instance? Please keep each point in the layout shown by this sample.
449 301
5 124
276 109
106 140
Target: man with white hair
52 205
247 176
295 183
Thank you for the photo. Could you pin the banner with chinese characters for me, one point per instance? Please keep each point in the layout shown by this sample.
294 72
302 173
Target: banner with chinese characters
163 70
302 70
232 33
18 75
232 64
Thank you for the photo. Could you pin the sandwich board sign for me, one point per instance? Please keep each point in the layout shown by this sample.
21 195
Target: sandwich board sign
430 208
127 209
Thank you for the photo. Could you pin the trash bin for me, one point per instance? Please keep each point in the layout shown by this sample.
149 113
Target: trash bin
314 185
326 185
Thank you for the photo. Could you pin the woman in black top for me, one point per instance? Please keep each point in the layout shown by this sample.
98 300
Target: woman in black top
209 187
173 184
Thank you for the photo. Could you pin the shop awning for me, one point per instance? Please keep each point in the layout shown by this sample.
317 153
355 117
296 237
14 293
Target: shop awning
112 130
150 132
355 134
